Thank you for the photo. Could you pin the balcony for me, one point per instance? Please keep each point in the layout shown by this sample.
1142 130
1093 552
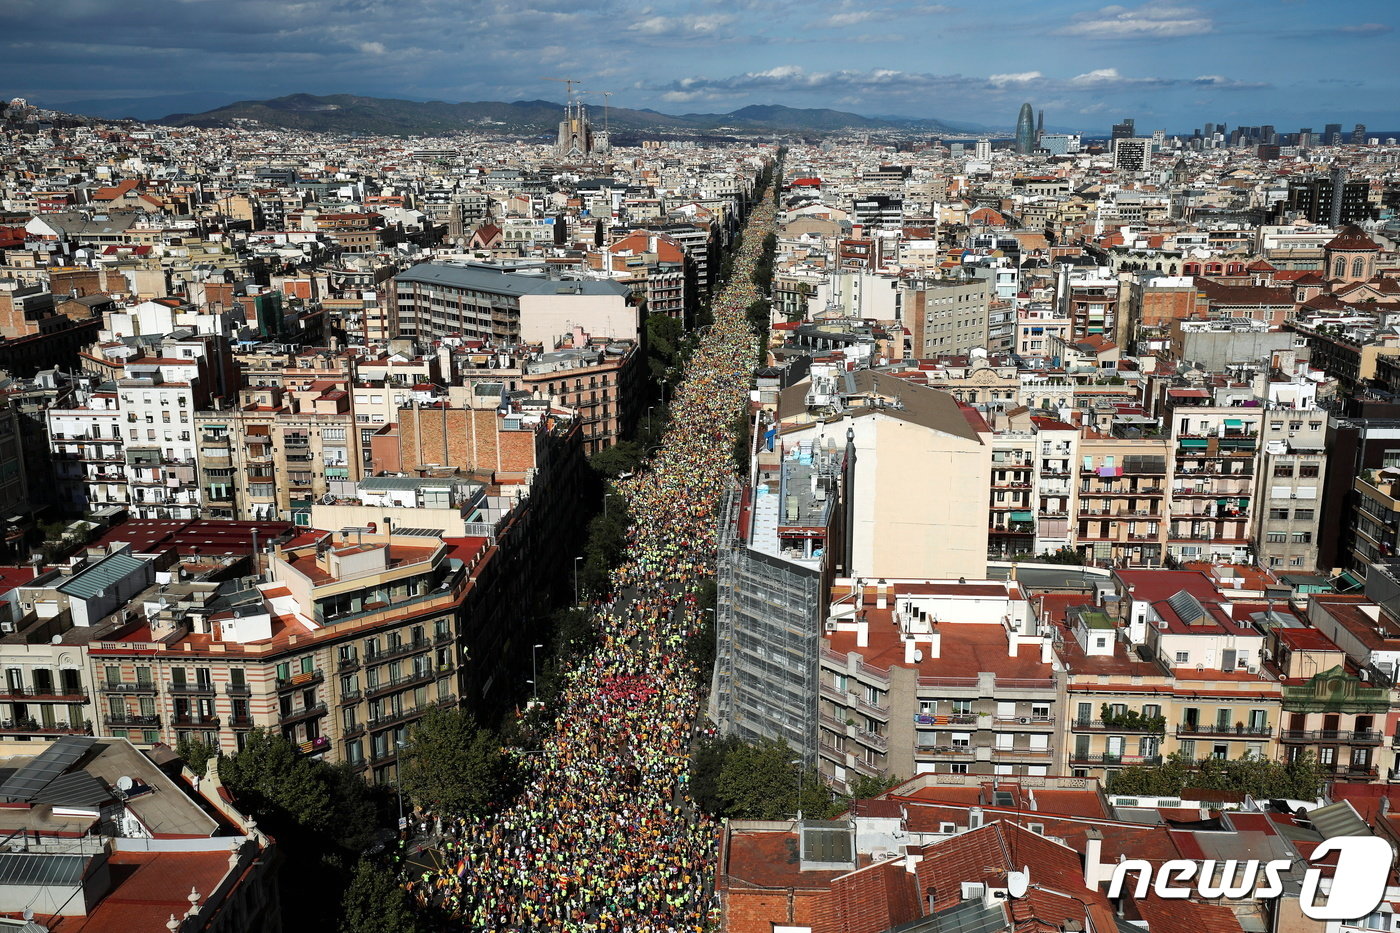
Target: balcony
953 751
296 715
1352 772
52 695
241 721
132 722
1331 736
1223 730
400 682
304 679
238 690
873 739
1026 722
345 665
1099 725
314 746
194 719
1076 758
125 687
188 689
32 727
397 651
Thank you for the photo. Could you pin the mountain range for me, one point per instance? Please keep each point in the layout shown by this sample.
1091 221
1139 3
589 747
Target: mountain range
347 113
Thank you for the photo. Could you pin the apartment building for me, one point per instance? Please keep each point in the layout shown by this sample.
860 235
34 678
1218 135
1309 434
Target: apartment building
1327 710
1213 455
506 305
1292 466
900 429
349 641
1121 512
947 316
779 546
935 676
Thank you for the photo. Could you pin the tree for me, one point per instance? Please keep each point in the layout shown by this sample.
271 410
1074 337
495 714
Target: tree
194 753
453 766
739 780
271 780
1300 779
375 903
866 786
621 457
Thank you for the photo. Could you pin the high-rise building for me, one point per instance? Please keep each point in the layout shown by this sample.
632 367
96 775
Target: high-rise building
1358 135
1060 143
1039 127
1025 130
1131 155
984 150
1124 130
1305 138
1332 134
1330 200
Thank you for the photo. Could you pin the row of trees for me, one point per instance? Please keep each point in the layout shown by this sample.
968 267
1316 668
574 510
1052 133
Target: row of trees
1299 779
327 820
764 780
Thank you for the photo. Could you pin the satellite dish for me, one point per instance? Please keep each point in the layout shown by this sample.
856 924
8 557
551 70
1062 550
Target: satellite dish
1018 882
125 784
56 640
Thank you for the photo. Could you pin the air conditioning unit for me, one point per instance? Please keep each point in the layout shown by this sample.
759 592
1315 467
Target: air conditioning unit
7 627
1024 720
830 625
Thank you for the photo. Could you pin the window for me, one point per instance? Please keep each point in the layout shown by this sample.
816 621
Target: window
957 769
1276 537
1283 469
1183 657
1307 470
1302 537
1304 515
962 707
1278 514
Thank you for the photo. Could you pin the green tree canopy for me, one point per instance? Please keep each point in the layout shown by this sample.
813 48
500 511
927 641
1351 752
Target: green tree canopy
453 766
375 903
1300 779
272 781
194 753
735 779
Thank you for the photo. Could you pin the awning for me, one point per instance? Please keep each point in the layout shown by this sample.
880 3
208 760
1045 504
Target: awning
1194 442
1020 516
1233 423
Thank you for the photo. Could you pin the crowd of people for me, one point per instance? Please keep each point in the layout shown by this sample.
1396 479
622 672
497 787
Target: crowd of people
605 837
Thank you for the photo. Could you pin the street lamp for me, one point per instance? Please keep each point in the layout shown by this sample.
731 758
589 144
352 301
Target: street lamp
800 769
576 560
606 497
400 744
534 670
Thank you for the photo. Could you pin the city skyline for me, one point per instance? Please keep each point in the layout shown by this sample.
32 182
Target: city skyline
1084 63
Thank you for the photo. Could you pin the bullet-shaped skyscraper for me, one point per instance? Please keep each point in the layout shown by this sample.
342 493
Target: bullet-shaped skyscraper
1025 130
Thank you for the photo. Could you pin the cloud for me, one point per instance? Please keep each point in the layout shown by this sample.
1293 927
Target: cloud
1105 77
681 27
1224 83
371 48
1145 22
886 82
1019 77
851 18
1364 29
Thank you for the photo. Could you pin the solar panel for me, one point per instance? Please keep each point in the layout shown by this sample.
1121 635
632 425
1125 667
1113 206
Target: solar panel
36 774
1187 607
41 870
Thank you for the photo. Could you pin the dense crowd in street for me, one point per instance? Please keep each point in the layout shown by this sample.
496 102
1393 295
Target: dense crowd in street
605 838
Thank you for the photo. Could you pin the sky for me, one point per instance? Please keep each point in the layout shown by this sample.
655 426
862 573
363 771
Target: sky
1171 66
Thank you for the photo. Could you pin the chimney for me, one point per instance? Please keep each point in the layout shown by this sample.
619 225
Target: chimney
881 590
1093 858
862 630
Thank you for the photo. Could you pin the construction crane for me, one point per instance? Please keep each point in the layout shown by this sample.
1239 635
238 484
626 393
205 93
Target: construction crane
568 85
